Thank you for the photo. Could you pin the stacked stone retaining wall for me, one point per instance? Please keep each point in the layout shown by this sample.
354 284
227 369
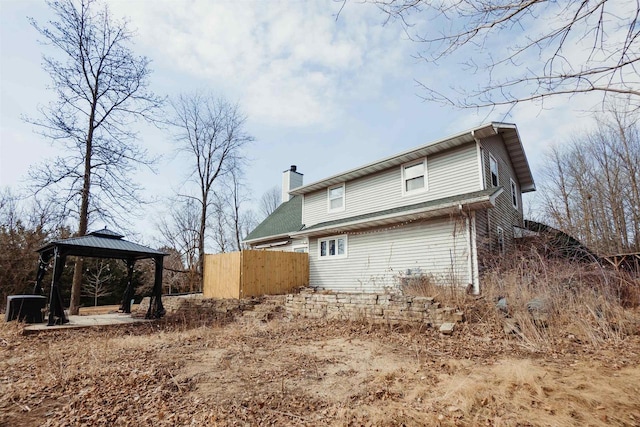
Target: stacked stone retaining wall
196 304
376 308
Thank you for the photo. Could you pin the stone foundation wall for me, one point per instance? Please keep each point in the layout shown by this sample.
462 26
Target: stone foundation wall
376 308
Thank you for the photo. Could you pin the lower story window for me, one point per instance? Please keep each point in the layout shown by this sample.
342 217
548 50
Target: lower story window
333 247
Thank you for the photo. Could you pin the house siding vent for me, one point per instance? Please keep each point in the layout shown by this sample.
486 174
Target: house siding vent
291 179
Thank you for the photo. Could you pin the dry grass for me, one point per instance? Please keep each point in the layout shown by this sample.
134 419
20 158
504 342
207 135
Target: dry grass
584 302
581 367
547 300
197 370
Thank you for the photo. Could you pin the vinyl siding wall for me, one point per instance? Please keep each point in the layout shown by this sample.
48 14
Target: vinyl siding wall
503 215
375 259
449 173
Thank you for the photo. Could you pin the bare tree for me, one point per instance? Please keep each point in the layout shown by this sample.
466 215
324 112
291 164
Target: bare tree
591 185
239 221
525 50
180 231
211 133
176 277
98 281
247 222
101 89
270 201
23 230
220 225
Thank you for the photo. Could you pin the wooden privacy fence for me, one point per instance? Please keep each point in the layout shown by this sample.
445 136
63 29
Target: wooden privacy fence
254 273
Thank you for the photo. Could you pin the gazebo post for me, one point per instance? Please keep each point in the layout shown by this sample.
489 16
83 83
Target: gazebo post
42 269
125 307
156 310
56 308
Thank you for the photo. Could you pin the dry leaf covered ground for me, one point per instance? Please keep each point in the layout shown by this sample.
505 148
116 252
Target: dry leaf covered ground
181 371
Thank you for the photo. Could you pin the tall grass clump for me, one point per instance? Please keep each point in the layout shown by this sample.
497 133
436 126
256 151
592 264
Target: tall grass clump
549 298
544 299
447 292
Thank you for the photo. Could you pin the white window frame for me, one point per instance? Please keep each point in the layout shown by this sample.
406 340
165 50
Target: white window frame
500 235
344 192
493 160
404 180
327 240
514 193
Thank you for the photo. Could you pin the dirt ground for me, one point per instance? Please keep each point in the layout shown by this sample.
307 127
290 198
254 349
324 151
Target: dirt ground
310 373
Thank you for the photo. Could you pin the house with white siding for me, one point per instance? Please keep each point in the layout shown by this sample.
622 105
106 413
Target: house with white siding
439 210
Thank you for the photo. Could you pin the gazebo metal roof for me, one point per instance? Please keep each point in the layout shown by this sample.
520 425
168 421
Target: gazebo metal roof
102 244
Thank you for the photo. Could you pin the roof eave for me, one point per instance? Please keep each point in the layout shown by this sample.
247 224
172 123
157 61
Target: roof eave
421 213
266 238
395 160
515 148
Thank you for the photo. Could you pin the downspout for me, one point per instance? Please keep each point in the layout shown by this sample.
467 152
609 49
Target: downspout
474 248
468 233
470 264
480 156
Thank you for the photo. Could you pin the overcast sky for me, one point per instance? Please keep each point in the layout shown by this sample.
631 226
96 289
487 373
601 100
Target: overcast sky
326 95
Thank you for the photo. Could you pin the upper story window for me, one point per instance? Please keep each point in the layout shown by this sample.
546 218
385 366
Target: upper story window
335 198
332 247
493 166
414 177
514 194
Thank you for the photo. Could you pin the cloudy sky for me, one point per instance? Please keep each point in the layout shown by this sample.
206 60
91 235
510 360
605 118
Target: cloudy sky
324 94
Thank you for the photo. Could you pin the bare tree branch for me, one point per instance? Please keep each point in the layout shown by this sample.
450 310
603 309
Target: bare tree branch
270 201
525 50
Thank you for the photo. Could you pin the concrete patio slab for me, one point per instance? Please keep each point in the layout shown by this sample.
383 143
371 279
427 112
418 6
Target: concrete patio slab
76 322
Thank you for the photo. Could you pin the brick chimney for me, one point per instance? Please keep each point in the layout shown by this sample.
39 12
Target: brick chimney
291 179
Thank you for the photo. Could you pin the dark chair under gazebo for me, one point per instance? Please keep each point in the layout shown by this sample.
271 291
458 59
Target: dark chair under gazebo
99 244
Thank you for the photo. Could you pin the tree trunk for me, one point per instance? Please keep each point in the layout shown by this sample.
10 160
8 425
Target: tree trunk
201 233
74 306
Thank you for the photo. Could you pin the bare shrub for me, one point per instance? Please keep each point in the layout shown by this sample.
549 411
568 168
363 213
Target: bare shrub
449 294
546 299
554 298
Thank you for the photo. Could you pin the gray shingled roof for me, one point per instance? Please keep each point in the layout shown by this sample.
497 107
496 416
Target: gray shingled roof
287 218
102 244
